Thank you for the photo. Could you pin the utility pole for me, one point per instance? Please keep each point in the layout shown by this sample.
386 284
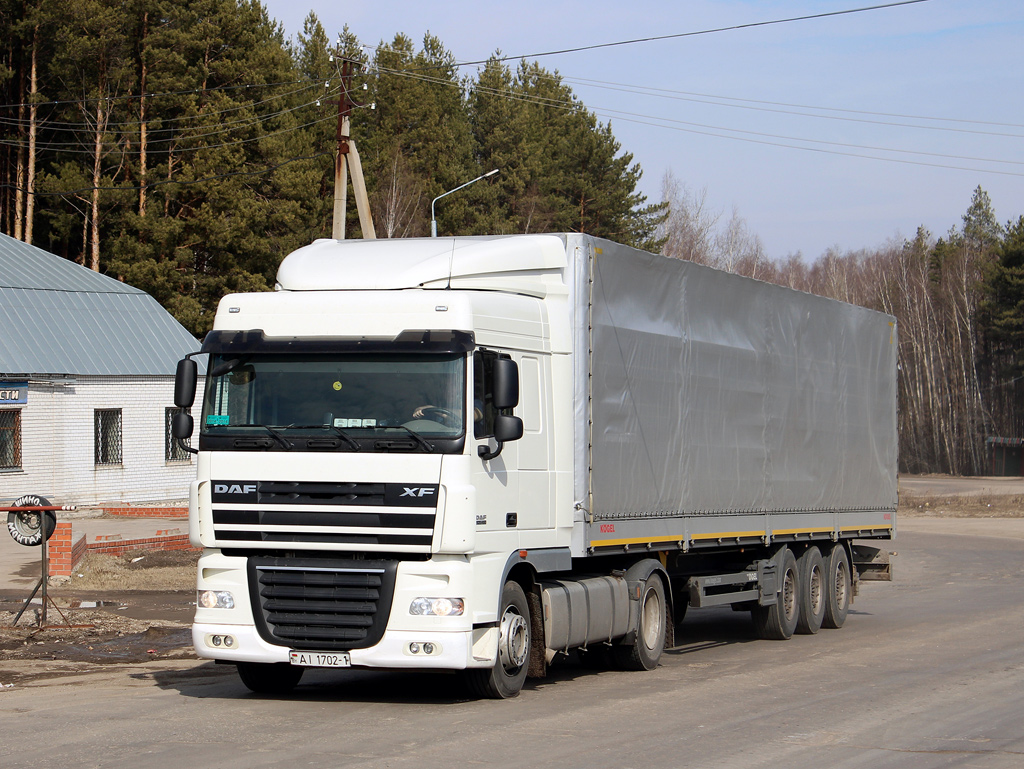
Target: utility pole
348 154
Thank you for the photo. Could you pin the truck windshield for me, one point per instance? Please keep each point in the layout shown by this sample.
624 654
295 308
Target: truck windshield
336 401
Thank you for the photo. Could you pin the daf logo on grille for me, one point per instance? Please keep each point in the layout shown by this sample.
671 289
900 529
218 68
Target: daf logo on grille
234 488
417 491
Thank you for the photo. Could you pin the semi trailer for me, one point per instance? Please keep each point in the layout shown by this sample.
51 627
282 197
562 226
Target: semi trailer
483 453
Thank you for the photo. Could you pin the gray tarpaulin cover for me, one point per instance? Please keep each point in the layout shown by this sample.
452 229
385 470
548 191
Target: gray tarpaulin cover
713 392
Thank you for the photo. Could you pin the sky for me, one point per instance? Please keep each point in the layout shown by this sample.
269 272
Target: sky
842 132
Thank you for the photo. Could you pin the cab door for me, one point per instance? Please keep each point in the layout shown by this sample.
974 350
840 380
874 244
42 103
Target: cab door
496 480
536 503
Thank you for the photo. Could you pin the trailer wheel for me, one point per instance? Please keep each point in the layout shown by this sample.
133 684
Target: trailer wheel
652 626
269 677
839 587
508 675
27 528
778 621
813 598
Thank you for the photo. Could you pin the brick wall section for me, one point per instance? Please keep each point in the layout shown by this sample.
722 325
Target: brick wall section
148 512
122 546
64 554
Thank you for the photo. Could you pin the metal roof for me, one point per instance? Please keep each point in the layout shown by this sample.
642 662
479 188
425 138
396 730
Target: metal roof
57 317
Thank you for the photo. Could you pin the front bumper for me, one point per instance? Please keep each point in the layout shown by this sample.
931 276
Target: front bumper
452 651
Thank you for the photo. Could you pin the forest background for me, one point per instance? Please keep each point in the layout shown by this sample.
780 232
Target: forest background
185 147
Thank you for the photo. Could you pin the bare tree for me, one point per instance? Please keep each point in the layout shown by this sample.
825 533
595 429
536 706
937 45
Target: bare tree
689 228
397 199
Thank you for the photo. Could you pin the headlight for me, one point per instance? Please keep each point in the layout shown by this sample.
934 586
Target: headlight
437 607
215 599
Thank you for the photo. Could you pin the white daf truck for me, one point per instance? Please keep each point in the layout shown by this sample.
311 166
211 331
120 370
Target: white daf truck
482 453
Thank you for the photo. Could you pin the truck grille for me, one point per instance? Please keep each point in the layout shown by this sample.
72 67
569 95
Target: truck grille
321 603
352 516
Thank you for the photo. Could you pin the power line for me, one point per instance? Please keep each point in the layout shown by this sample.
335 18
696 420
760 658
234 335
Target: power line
164 182
154 94
68 147
58 125
708 130
643 90
678 35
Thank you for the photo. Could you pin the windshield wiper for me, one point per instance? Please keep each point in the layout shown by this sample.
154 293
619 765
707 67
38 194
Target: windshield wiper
341 433
288 445
416 436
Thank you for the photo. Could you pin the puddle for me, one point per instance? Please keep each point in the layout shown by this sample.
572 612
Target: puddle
76 604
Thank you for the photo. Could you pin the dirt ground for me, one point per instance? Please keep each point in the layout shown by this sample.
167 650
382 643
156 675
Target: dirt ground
139 606
114 609
950 506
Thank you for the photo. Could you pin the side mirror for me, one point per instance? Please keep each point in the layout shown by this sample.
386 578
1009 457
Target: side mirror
185 379
505 383
182 426
506 428
181 430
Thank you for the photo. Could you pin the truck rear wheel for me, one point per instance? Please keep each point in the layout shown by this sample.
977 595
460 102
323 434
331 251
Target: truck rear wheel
811 571
508 675
645 653
269 677
778 622
839 586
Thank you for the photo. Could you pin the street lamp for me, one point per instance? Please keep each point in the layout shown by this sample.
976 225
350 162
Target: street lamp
433 221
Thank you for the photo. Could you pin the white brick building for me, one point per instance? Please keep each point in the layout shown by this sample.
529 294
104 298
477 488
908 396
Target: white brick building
86 385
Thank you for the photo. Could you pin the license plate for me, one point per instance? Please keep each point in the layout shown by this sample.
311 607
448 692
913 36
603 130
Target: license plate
320 659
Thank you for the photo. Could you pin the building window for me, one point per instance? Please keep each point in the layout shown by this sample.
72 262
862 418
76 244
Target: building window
108 436
173 452
10 439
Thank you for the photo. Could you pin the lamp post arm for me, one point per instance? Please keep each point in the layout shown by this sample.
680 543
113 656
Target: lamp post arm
433 220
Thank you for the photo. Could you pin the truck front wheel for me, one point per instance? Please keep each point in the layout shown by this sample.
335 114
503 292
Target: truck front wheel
508 675
269 677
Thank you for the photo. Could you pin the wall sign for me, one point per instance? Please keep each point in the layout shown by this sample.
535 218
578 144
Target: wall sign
13 393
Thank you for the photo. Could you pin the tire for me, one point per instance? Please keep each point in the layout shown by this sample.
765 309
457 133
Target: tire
508 675
812 591
778 622
839 587
652 626
269 677
27 528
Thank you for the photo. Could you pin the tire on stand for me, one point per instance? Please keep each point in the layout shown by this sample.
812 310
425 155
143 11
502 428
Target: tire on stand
838 587
270 677
778 622
28 527
508 675
811 570
652 627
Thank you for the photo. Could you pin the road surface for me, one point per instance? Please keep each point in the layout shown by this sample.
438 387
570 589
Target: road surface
928 672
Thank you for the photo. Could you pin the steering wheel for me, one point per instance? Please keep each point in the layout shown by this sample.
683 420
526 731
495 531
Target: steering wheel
437 414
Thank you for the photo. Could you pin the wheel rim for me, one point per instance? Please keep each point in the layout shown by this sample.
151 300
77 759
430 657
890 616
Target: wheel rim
816 591
28 525
651 618
841 584
513 640
789 594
